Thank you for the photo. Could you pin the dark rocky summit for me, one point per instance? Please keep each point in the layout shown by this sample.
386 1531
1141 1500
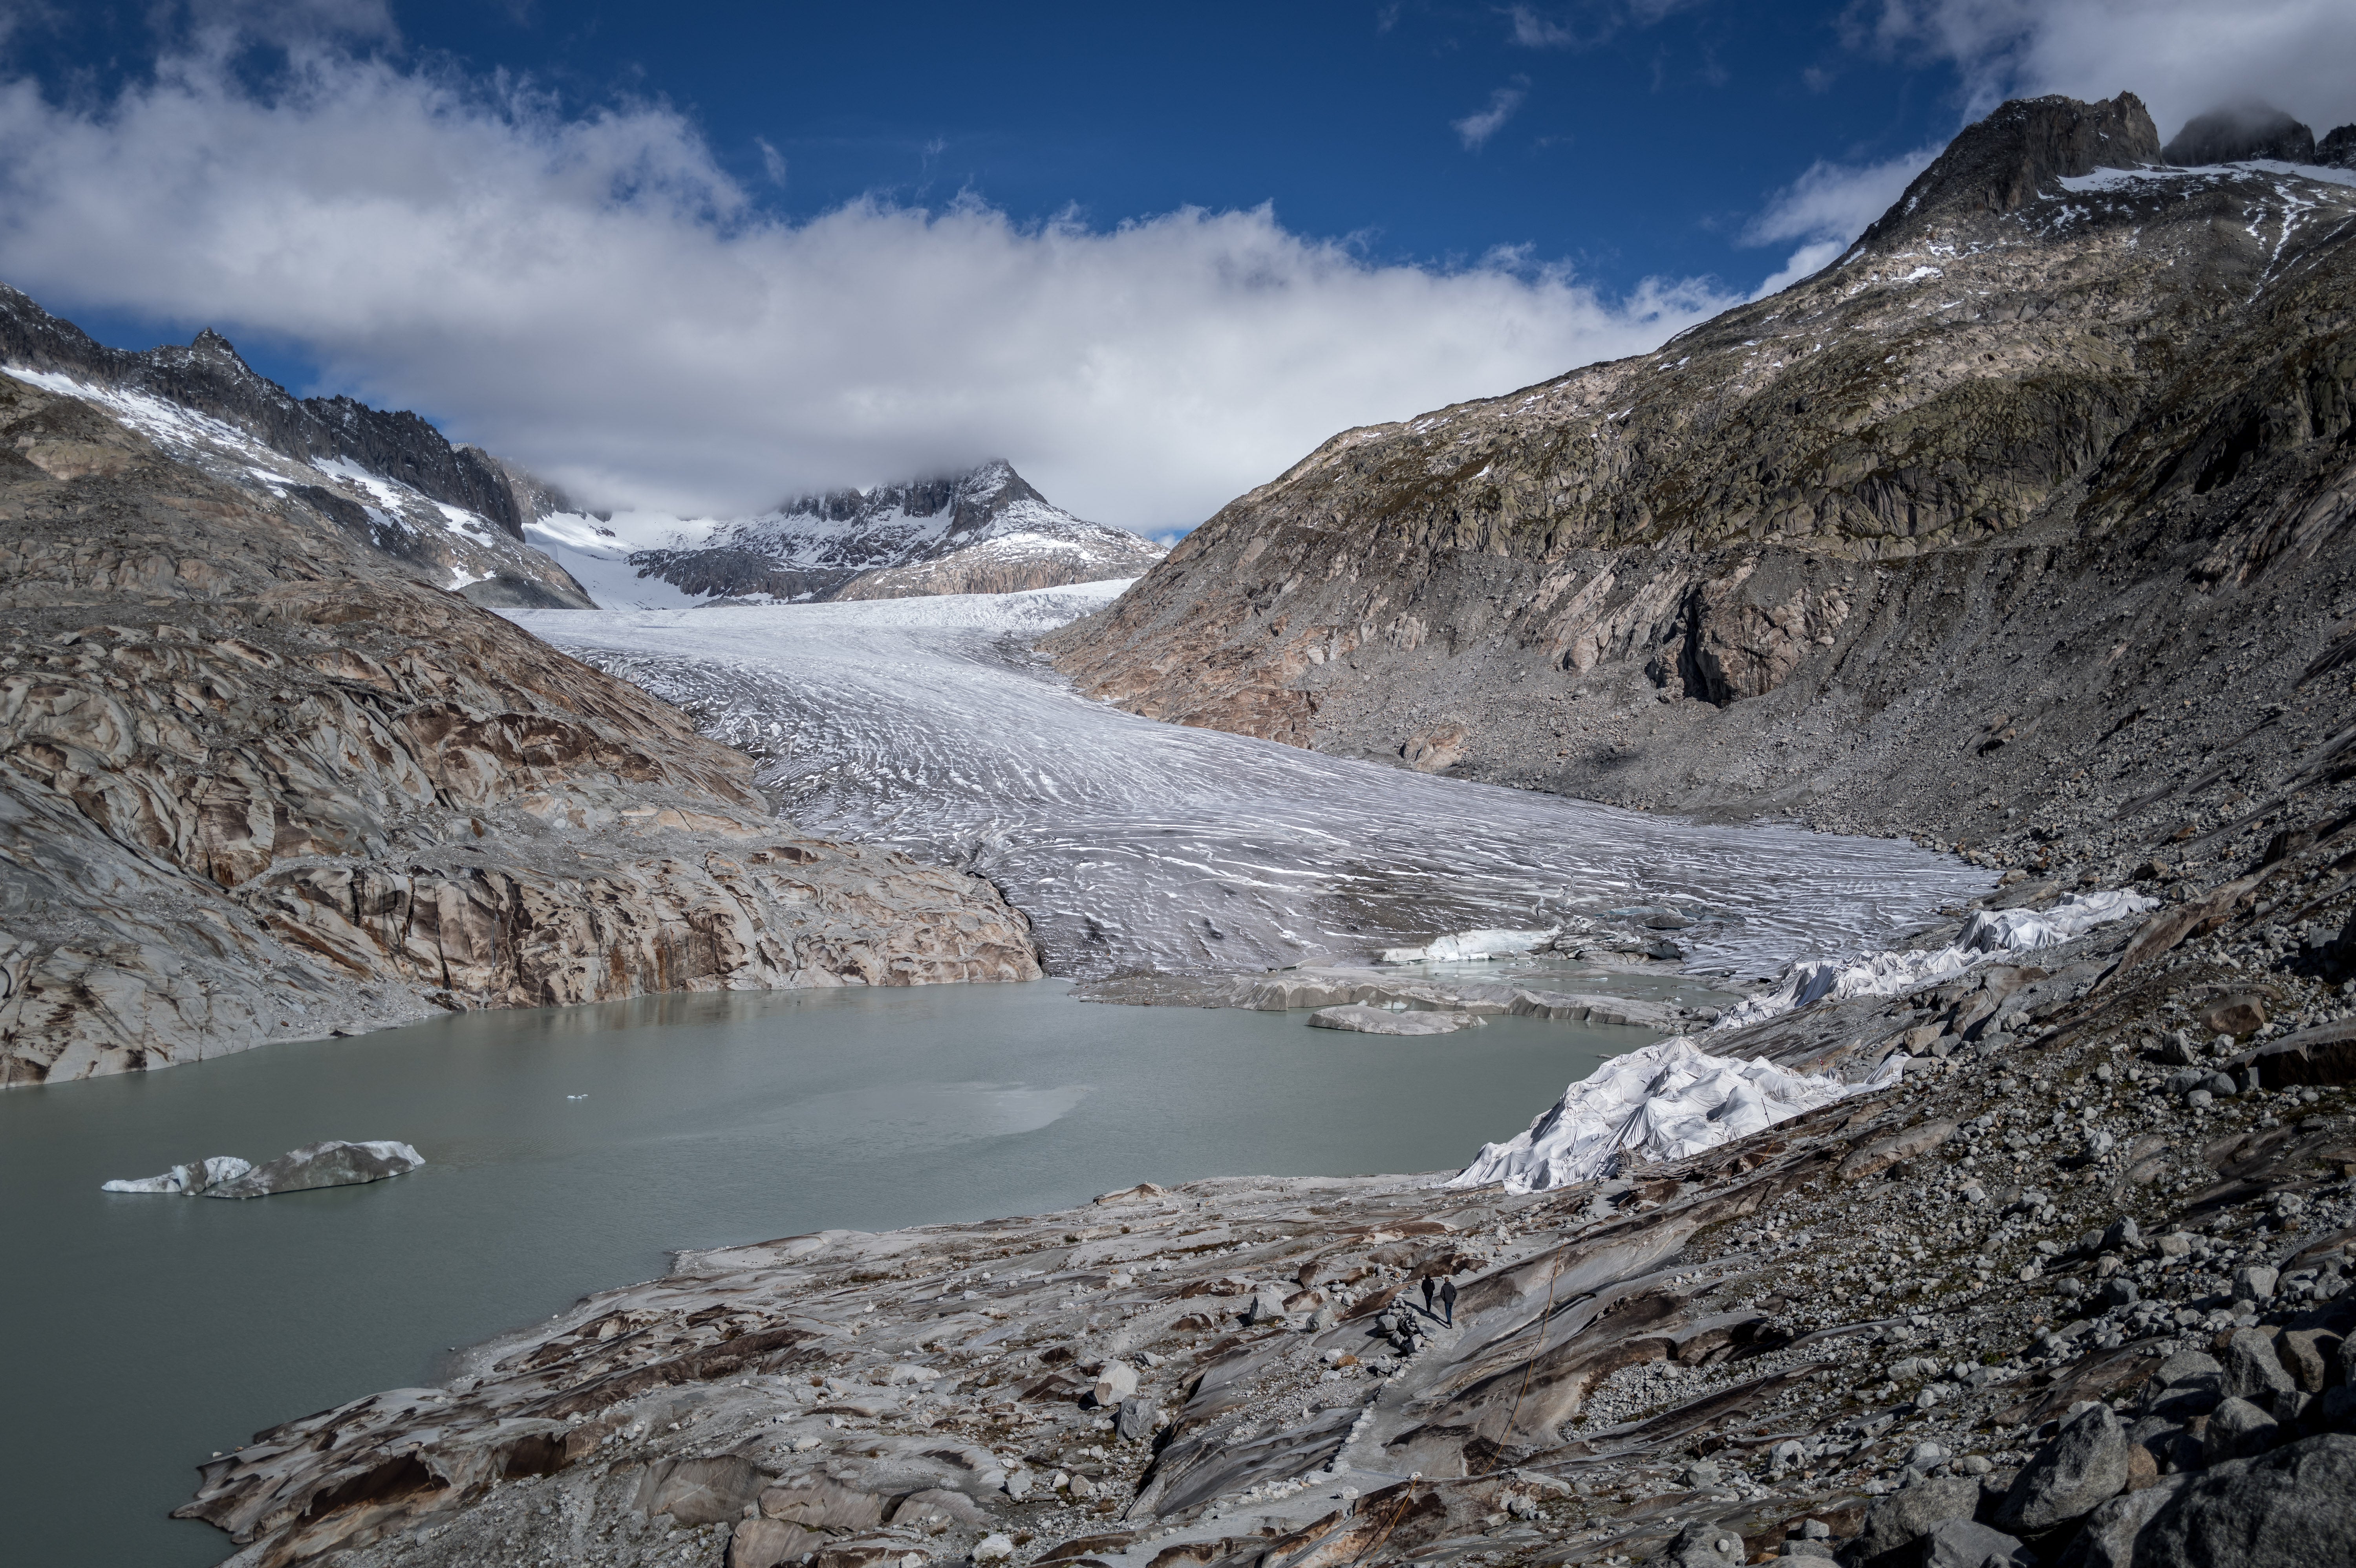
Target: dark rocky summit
452 515
208 377
2245 131
985 531
260 781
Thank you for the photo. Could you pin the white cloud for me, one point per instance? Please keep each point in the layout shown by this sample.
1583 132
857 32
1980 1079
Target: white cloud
1827 207
591 294
2181 57
1477 128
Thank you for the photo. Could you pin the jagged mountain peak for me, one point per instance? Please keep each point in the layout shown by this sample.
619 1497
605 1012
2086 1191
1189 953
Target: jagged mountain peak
1999 165
985 530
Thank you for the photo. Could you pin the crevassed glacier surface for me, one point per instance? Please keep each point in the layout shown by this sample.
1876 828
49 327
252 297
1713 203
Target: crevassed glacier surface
927 724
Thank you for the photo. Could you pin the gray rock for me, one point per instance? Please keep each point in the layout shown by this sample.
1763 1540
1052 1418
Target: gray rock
2238 1430
2294 1508
1138 1418
2253 1369
1964 1543
1705 1546
2185 1364
2118 1291
2107 1540
2255 1282
1808 1547
1365 1020
2081 1469
2306 1355
1905 1517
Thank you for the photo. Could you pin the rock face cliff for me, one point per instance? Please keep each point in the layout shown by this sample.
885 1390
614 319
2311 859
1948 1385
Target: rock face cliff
2038 499
986 531
258 781
454 516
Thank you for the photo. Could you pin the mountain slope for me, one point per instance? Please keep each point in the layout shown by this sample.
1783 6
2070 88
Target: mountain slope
982 532
2039 499
258 781
452 515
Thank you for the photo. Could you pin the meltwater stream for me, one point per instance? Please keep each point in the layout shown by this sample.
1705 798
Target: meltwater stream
1130 843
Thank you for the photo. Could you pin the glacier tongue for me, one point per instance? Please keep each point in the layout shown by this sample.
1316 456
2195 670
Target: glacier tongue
926 724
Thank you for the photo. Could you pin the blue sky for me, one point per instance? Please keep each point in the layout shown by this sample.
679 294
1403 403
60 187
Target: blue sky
689 255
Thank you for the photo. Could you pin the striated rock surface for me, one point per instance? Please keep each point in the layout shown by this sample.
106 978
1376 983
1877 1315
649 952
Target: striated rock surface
987 532
257 782
2041 492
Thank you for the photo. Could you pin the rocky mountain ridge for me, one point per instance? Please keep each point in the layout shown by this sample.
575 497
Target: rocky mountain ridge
451 515
259 780
2029 517
983 531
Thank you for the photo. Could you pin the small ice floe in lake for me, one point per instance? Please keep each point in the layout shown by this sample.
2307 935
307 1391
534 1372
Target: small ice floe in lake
1365 1020
331 1163
1460 945
1667 1100
576 1097
1987 934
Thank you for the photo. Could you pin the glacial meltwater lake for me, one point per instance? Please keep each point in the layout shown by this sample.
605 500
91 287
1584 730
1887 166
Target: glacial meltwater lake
145 1332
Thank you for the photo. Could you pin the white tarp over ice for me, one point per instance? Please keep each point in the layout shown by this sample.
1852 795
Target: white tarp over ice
1988 934
1457 945
1667 1100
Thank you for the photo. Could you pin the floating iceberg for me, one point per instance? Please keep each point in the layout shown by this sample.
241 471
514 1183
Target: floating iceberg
1667 1100
189 1179
1988 934
330 1163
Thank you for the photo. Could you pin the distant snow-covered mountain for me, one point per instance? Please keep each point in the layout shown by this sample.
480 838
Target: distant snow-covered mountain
987 531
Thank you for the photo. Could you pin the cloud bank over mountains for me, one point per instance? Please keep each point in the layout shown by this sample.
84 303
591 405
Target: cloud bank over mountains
592 294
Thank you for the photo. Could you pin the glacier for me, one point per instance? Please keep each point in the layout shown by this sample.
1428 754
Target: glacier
930 725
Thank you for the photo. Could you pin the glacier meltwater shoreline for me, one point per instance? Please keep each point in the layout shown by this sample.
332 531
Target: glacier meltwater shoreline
926 724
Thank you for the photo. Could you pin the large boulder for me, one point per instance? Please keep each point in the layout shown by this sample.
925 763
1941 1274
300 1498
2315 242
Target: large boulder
2085 1465
2237 1430
2294 1508
2253 1369
2107 1540
1964 1543
1905 1517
